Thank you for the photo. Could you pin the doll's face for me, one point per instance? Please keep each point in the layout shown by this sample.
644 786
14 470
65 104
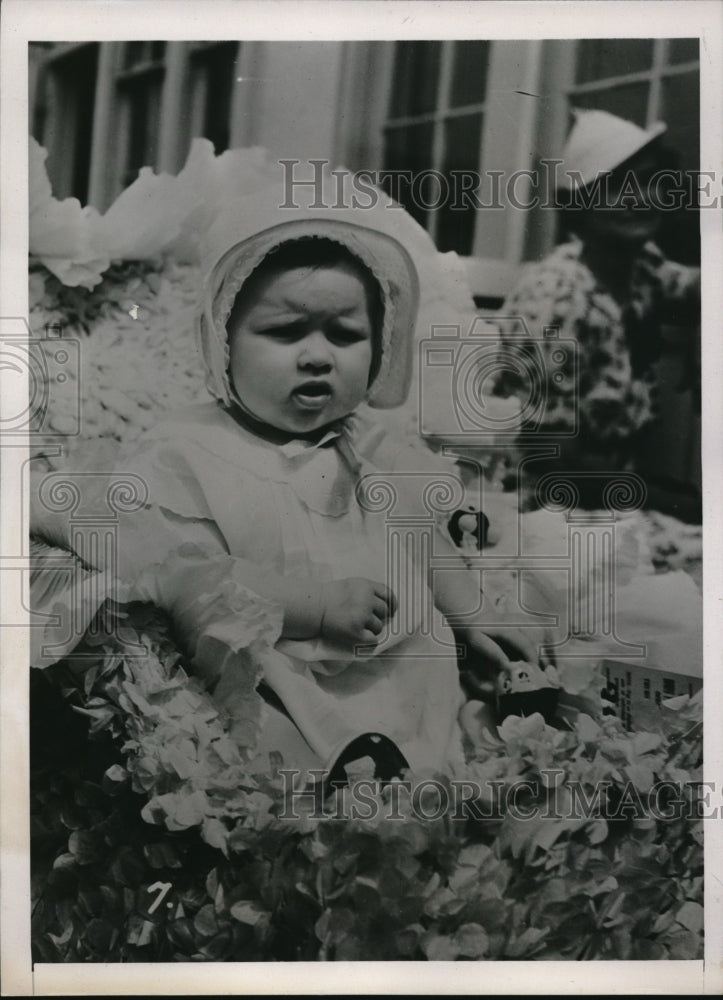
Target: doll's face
301 344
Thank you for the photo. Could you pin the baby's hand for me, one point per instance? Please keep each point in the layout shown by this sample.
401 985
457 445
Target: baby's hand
355 610
494 646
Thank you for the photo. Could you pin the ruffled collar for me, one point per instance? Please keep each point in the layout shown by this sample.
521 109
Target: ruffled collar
339 433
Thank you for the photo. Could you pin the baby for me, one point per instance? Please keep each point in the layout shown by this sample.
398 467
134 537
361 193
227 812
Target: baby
254 525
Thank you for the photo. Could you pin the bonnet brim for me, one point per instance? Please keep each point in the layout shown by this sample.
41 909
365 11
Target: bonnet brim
243 237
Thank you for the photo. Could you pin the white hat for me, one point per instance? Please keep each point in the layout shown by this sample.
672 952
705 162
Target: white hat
255 225
598 143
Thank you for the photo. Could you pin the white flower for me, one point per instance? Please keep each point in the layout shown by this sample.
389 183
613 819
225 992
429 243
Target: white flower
63 235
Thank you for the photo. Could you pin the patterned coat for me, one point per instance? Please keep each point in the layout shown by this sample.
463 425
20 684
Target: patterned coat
616 343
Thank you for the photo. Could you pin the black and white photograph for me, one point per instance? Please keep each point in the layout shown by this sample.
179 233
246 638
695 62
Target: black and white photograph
360 434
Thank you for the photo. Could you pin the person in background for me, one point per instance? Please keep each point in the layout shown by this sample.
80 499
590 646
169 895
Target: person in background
609 288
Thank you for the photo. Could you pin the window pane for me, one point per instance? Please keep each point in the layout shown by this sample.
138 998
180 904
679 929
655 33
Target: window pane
85 79
416 77
133 54
144 99
629 101
218 65
75 80
409 148
158 51
680 109
136 53
469 76
683 50
598 58
455 226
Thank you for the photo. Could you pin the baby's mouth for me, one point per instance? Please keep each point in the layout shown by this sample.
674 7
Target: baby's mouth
312 395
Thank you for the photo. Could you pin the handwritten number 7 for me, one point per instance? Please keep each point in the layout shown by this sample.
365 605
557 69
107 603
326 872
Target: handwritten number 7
161 888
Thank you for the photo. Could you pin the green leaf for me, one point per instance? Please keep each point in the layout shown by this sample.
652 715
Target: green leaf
690 915
439 947
441 901
334 925
215 949
407 940
587 729
99 935
139 932
85 846
205 923
115 779
597 831
247 912
71 817
685 945
527 943
161 854
180 933
471 941
663 922
645 743
215 833
491 913
641 776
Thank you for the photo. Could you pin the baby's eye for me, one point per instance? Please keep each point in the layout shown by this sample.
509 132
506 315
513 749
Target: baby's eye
285 331
346 335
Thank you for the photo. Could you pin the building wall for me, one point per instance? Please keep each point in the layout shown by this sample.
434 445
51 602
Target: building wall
100 108
104 109
638 691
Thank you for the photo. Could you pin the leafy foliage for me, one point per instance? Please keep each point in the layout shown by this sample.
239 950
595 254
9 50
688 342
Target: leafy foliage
138 793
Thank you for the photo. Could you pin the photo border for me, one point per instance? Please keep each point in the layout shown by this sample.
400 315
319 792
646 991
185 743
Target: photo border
97 20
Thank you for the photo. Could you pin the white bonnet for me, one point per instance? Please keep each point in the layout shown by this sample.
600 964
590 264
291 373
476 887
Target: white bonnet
255 224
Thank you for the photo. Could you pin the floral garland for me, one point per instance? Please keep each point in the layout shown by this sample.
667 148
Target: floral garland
291 884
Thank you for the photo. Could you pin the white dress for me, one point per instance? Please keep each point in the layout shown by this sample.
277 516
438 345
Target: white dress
217 493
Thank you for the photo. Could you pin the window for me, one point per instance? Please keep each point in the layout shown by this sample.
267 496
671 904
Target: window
63 116
647 80
668 687
646 687
434 126
213 70
140 87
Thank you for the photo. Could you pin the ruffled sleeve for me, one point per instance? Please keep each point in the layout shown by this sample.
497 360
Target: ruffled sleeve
224 627
171 553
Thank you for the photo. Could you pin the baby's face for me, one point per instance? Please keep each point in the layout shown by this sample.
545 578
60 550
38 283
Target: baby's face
301 345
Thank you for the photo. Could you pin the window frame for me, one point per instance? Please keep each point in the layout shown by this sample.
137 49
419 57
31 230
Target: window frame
442 112
515 67
659 68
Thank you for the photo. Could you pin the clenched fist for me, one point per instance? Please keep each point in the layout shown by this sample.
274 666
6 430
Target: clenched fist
355 610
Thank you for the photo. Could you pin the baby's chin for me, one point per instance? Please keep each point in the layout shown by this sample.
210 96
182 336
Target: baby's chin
310 425
307 422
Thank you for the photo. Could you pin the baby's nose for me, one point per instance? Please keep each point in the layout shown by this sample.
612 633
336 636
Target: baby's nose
315 351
